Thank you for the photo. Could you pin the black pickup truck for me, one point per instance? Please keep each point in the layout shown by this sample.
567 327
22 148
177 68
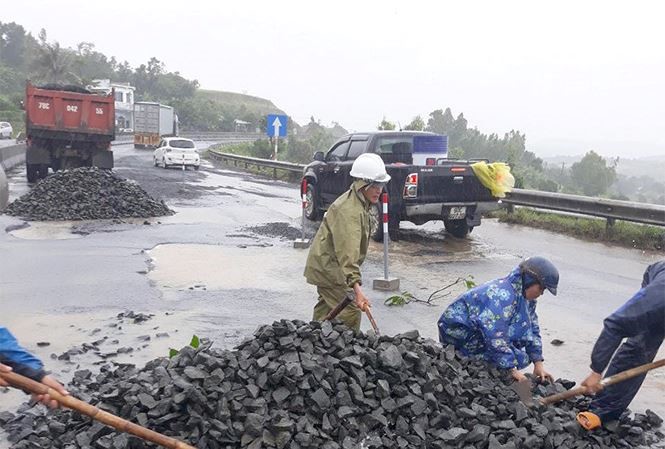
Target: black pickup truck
425 185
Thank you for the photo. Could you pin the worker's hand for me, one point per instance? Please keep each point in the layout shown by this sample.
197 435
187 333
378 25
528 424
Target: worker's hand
540 373
518 375
45 398
592 383
4 369
361 300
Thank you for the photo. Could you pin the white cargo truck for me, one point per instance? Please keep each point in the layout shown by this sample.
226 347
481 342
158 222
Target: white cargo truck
152 121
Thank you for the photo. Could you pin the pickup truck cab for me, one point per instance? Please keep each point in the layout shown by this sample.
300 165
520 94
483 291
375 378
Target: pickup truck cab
434 188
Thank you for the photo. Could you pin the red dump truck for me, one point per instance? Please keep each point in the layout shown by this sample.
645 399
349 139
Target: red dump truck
67 127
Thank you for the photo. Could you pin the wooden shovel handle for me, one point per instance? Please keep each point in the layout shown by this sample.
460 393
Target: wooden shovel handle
348 299
22 382
371 320
619 377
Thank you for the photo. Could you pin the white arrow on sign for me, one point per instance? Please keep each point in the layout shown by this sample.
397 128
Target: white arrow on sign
276 124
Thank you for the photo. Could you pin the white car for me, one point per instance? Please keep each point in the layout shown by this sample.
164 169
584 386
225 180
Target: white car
6 130
176 152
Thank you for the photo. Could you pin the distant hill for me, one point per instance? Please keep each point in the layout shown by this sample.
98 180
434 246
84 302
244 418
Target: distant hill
255 105
652 166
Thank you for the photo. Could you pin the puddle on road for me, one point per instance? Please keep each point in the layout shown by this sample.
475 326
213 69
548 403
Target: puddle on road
191 266
42 230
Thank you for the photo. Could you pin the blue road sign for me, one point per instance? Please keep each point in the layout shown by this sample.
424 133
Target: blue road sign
277 125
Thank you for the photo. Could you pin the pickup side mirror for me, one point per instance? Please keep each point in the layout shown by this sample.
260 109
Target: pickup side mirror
319 156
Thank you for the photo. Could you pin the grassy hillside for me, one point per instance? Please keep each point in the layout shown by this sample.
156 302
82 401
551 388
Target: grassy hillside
255 105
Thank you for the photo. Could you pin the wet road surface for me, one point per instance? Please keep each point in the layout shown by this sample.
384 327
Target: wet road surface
205 271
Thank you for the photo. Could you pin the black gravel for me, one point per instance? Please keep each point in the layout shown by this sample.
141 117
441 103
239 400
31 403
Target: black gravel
318 385
277 229
86 194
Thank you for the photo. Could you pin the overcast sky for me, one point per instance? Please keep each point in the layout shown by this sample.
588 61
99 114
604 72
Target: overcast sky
572 75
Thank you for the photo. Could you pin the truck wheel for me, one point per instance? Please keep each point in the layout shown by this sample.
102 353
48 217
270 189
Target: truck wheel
32 172
43 171
457 228
312 211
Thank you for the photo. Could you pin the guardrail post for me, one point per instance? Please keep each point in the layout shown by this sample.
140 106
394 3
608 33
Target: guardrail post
386 284
609 227
510 208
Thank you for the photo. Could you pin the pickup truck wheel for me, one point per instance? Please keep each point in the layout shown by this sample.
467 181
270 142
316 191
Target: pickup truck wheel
457 228
376 224
312 211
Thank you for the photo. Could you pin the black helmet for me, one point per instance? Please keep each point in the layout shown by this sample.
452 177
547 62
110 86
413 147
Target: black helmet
543 270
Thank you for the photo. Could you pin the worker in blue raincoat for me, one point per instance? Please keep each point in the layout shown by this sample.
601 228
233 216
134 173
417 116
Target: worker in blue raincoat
497 321
14 358
641 321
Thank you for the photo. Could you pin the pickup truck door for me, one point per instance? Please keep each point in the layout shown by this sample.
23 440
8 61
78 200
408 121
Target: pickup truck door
330 180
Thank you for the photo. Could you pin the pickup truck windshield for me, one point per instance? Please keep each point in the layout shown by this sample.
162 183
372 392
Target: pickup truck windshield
402 148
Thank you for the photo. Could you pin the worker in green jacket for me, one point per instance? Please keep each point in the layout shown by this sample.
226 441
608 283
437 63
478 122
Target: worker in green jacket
340 245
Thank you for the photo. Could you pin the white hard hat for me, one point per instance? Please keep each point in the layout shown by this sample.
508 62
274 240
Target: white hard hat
370 167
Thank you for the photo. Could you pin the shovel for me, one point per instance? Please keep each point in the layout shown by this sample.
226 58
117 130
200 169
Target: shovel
523 389
31 386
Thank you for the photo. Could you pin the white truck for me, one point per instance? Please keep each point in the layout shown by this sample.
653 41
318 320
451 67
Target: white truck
152 121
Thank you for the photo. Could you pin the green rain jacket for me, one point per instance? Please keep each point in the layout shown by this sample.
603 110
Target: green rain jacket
340 245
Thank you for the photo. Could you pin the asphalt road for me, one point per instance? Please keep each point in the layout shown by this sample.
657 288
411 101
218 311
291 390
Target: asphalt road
204 271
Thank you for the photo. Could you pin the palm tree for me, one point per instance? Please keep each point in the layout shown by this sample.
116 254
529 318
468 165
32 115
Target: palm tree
53 63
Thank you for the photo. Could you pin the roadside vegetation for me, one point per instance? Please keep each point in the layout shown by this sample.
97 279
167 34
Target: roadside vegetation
631 235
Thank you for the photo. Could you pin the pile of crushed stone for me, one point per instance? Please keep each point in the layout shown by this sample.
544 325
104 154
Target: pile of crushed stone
312 385
86 194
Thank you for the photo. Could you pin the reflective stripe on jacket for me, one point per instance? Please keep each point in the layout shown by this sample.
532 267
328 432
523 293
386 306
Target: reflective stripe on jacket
340 245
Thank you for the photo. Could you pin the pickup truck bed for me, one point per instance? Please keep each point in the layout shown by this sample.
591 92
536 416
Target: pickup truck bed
445 190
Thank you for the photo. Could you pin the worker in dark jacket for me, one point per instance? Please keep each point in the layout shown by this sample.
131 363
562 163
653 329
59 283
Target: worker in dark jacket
14 358
641 321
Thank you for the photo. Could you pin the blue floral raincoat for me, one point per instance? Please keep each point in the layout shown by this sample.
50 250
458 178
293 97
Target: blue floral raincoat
496 323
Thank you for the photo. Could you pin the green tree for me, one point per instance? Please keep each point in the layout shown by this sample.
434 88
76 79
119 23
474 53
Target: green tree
417 124
385 125
592 175
53 63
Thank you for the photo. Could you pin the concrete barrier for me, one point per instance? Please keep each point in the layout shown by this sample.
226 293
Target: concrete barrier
10 157
4 189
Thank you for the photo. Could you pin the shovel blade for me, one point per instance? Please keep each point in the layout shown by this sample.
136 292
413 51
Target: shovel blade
523 390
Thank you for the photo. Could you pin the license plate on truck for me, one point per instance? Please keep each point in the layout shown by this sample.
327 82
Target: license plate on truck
457 212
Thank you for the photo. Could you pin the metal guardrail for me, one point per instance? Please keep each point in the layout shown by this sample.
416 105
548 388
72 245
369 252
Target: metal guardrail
599 207
225 138
584 205
236 160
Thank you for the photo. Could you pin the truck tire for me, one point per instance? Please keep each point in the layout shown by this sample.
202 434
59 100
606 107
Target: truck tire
32 172
312 211
457 228
376 224
43 171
